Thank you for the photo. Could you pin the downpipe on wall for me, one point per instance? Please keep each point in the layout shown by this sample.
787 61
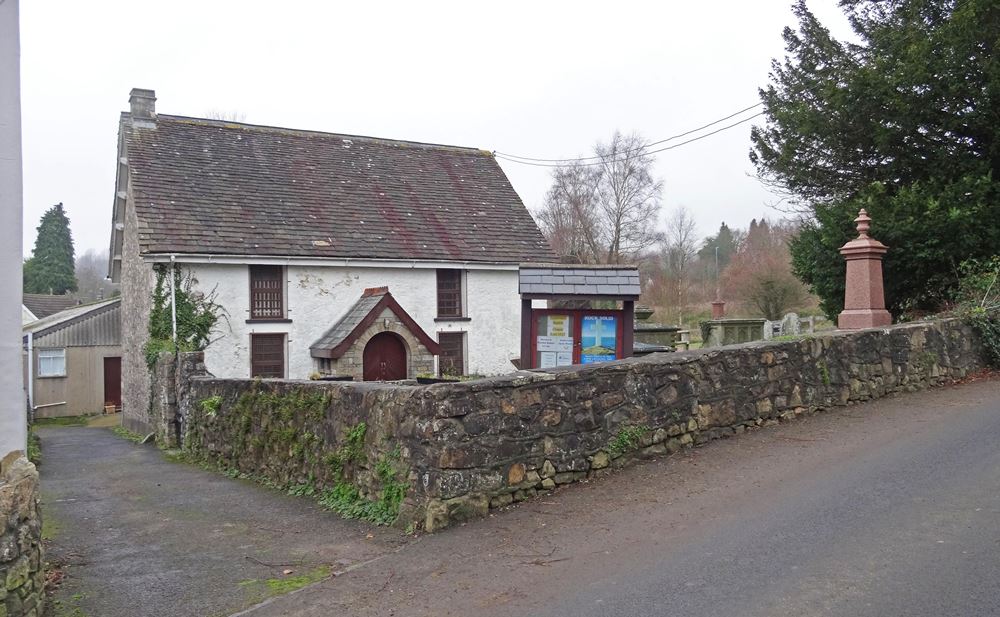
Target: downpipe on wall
173 302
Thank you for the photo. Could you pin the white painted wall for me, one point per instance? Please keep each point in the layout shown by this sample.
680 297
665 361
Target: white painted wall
318 296
13 421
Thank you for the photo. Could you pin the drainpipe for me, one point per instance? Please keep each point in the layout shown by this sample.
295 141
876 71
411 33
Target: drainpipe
173 301
31 372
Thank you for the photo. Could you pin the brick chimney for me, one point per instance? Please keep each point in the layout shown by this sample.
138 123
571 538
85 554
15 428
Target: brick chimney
142 104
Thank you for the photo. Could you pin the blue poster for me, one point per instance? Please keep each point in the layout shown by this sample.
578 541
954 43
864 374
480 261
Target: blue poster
598 335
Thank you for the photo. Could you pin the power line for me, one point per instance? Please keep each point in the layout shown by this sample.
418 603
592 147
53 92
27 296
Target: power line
614 159
643 147
538 162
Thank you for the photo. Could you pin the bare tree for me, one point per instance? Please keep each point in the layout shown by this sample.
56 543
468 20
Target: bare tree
604 211
680 249
228 116
91 273
628 197
569 218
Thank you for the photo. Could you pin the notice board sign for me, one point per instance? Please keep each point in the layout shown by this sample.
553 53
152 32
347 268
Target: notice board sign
598 338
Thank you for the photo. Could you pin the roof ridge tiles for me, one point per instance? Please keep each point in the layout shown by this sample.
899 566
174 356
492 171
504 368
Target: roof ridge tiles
232 124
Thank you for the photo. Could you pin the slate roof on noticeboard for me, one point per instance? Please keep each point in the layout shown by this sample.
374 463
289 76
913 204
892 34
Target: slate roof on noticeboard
615 281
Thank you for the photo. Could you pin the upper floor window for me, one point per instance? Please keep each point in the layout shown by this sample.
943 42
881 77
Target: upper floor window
51 362
449 293
267 292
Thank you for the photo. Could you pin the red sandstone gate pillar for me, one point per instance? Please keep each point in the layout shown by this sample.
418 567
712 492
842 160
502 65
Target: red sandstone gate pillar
864 298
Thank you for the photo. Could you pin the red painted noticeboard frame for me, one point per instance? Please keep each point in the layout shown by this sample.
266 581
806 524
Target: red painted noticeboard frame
577 315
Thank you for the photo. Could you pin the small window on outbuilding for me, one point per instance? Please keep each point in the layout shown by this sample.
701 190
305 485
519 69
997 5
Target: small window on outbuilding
449 293
51 362
267 292
452 359
267 355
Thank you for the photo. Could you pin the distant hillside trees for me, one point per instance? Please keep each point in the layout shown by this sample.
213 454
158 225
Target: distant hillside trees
50 269
91 276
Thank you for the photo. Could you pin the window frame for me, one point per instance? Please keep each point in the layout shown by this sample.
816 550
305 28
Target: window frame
257 269
459 293
463 356
283 345
42 354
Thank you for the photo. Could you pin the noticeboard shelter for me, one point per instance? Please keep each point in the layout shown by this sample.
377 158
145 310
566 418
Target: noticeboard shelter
589 314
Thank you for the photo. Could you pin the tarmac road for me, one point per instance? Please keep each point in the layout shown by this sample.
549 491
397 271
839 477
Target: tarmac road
890 508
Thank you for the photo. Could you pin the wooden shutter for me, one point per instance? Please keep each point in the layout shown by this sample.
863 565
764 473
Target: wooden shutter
267 292
267 355
452 358
449 293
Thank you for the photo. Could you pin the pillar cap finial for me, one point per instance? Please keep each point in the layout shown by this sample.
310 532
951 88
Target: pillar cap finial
864 223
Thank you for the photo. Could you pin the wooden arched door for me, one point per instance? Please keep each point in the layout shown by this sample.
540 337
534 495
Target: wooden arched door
384 358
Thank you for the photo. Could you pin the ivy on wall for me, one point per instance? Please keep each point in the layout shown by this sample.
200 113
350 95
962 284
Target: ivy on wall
979 302
197 315
283 436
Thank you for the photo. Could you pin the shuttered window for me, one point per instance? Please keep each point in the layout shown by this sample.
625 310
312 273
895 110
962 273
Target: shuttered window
452 358
449 293
267 355
267 292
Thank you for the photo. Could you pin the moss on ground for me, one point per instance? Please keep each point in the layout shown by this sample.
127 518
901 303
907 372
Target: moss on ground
260 590
63 421
124 433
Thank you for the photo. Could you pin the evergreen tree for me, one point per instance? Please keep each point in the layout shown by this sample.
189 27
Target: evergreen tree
725 242
905 124
50 269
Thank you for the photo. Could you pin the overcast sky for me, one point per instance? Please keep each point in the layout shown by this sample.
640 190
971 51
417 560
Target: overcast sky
536 79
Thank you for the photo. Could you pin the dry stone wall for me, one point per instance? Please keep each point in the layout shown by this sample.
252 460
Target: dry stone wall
463 448
22 575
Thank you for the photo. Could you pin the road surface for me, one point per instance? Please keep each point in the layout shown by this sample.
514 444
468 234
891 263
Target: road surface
886 509
883 509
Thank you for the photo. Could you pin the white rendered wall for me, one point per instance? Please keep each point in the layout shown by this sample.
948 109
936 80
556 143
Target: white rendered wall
318 296
13 423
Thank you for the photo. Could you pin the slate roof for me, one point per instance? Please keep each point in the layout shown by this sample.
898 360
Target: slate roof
206 186
338 339
43 305
549 280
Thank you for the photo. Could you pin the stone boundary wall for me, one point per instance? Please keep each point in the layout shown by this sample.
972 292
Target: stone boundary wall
463 448
22 571
170 381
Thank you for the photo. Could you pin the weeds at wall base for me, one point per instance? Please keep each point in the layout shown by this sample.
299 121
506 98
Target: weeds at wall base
124 433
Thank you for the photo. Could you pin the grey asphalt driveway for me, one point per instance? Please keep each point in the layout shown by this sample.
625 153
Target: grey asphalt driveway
142 535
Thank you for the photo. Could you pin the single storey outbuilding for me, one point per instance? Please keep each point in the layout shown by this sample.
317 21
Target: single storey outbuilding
72 360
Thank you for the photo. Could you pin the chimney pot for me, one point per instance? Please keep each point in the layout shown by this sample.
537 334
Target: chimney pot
143 104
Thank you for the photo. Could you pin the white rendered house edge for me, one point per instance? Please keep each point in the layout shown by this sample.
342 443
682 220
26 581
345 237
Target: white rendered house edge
202 258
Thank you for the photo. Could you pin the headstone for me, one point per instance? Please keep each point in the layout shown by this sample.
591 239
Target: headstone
790 324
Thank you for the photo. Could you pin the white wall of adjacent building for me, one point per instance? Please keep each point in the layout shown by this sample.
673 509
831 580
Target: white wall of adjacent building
13 421
318 296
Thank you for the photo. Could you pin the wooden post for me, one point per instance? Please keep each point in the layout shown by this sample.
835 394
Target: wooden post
526 360
628 328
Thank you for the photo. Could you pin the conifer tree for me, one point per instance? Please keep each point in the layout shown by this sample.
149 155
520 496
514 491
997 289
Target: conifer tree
50 269
905 124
